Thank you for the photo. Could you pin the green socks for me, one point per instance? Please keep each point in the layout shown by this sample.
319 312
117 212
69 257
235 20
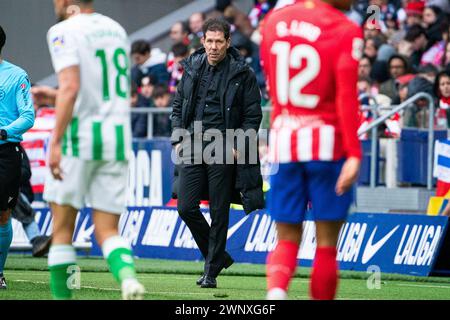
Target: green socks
63 268
62 264
117 253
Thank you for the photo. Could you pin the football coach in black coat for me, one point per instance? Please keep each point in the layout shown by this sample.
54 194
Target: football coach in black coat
218 93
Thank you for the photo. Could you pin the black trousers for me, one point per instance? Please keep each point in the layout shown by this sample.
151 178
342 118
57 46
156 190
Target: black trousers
10 172
211 240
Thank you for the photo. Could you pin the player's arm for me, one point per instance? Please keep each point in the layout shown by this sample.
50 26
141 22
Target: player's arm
25 109
66 61
69 85
347 106
44 95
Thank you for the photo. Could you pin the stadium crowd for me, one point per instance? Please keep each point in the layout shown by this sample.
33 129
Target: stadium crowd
406 51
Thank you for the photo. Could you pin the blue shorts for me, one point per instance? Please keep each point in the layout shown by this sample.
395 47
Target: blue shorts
298 183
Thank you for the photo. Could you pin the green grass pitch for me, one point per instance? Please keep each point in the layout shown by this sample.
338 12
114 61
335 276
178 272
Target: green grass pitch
28 278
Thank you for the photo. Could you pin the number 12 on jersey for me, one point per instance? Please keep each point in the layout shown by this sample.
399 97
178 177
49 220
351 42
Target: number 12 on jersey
289 90
121 64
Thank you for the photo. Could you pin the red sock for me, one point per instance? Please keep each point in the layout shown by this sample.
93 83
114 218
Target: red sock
281 264
324 277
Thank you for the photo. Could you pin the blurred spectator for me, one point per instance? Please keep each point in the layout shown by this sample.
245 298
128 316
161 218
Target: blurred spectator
414 13
239 19
385 52
416 36
435 54
138 120
222 4
180 33
179 51
433 18
442 91
162 126
446 57
148 63
398 66
196 21
259 11
364 67
364 85
250 52
371 47
379 73
416 116
402 83
428 71
444 5
147 88
388 13
371 30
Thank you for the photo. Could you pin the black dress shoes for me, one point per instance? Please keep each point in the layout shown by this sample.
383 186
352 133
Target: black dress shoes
209 282
200 280
226 264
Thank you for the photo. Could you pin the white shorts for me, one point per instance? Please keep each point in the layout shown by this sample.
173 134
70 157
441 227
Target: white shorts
99 184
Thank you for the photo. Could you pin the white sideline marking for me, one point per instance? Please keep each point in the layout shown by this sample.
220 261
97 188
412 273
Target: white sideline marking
84 287
423 286
113 289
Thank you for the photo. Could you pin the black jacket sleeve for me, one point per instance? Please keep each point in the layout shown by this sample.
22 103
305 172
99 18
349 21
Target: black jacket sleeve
252 112
177 109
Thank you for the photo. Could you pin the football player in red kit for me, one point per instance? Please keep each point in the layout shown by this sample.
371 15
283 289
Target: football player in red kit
310 52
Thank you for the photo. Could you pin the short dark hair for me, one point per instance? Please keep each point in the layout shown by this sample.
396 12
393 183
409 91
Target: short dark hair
160 90
184 26
428 68
180 49
85 1
2 39
399 57
217 24
414 32
140 47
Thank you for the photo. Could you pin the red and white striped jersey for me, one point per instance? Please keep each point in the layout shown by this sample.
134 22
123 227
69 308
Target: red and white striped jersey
35 143
310 53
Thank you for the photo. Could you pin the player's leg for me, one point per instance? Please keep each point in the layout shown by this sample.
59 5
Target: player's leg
108 198
62 255
6 235
65 198
286 204
325 272
282 262
10 172
118 254
329 211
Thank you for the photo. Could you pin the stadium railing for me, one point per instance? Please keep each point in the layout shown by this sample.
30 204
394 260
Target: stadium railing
151 112
372 127
378 120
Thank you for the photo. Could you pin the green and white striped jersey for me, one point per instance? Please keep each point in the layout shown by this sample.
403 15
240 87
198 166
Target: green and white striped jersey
100 126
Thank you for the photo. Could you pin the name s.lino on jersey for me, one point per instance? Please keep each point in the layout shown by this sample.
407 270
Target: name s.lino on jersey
311 120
